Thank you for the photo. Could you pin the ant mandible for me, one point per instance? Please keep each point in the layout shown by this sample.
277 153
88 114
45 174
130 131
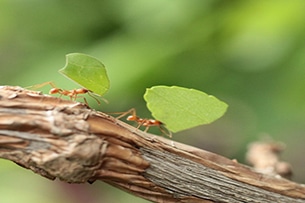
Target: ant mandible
145 122
73 94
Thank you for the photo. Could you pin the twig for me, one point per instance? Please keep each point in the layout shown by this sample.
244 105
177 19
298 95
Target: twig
264 157
67 140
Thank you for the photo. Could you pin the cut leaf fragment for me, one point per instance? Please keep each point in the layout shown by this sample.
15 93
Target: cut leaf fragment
182 108
87 71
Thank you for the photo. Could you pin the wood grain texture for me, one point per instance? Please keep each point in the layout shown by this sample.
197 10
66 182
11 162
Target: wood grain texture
67 140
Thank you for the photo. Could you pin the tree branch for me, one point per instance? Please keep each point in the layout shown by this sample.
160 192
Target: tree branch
67 140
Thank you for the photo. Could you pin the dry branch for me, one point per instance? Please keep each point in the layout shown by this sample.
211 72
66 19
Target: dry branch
67 140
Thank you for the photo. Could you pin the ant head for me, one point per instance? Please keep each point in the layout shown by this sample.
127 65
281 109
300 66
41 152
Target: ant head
82 91
155 122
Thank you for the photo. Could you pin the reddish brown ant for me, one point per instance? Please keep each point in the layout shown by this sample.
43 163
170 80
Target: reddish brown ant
73 94
145 122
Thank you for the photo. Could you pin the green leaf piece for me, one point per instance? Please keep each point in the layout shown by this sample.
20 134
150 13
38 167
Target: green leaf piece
182 108
87 71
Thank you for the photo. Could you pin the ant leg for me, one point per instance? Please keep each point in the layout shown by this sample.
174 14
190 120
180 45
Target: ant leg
98 101
165 131
85 100
146 129
130 111
75 96
54 89
37 86
141 122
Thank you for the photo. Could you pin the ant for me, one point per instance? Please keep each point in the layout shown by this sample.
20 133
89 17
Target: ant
145 122
73 94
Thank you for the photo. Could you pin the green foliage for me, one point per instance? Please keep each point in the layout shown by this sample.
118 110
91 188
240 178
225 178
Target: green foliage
87 71
179 108
249 52
182 108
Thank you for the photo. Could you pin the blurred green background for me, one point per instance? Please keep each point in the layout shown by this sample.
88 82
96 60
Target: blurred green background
249 54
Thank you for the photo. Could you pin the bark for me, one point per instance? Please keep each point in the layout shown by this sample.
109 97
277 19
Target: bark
63 139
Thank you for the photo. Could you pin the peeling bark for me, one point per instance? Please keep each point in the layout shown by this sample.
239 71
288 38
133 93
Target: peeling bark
67 140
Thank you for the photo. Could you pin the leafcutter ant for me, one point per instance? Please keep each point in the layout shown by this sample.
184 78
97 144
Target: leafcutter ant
73 94
147 123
